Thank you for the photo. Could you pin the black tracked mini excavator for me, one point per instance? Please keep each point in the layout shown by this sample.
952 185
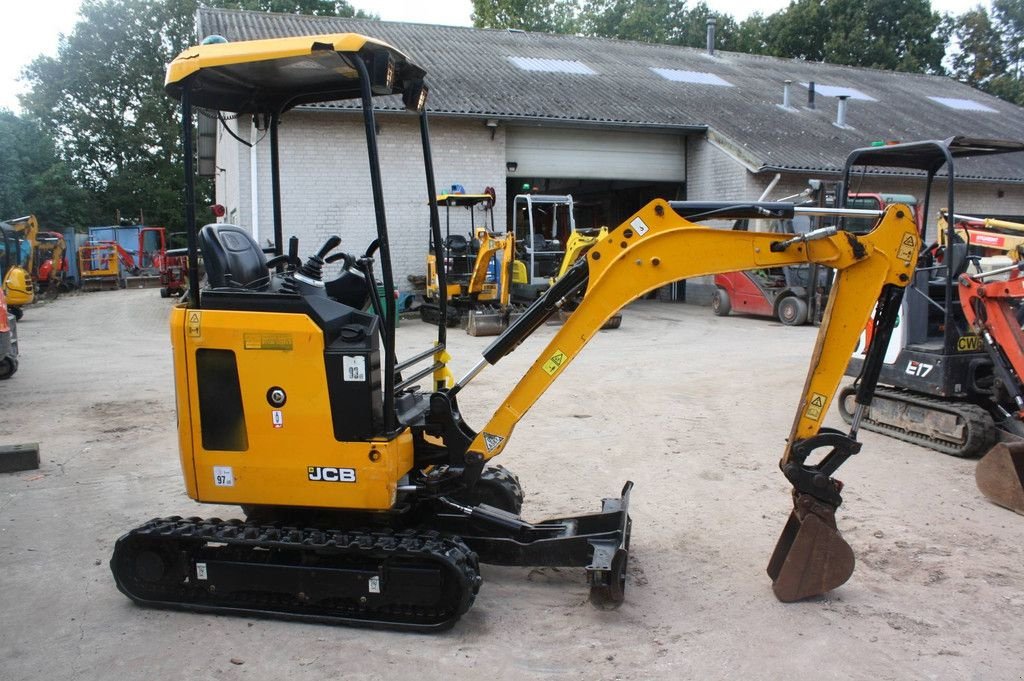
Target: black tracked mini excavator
369 500
944 385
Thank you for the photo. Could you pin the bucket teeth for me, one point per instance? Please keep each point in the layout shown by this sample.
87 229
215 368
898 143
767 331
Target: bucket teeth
811 557
1000 475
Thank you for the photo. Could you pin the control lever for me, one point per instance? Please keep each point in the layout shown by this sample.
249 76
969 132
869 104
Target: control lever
311 271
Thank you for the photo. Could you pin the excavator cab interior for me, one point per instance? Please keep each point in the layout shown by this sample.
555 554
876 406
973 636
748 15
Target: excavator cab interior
369 499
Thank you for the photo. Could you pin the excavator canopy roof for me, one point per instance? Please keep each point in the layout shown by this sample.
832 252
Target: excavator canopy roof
929 155
266 76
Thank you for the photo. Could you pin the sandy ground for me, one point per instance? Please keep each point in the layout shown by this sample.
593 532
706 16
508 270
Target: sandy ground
693 408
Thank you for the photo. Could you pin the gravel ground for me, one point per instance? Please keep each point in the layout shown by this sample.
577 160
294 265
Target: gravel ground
693 408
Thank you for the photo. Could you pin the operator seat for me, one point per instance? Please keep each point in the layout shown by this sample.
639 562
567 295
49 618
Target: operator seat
232 258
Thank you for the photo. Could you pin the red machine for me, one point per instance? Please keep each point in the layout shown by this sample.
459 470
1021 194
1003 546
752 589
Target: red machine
793 295
8 341
992 309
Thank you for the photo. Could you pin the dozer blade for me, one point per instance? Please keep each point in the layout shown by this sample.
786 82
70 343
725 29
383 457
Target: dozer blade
1000 475
486 322
811 557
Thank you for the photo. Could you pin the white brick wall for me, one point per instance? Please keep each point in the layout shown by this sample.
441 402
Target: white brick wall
325 180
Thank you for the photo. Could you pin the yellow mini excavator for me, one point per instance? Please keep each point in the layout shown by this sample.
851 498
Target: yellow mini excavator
580 241
478 271
369 498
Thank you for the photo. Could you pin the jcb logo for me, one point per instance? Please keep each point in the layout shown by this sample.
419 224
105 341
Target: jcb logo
330 474
968 343
919 369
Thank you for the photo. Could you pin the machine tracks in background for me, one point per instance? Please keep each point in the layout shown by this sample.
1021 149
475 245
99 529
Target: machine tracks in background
955 428
406 580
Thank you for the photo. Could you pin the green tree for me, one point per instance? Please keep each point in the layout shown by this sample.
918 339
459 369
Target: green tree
34 180
551 16
899 35
650 21
1009 16
978 56
317 8
750 35
101 100
692 30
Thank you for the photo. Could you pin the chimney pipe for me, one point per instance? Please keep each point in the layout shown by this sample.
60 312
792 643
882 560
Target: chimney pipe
841 111
810 95
711 35
785 94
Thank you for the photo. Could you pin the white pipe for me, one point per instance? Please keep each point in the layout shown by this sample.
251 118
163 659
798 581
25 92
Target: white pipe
770 187
254 193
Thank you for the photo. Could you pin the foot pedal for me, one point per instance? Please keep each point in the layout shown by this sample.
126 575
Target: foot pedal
1000 475
811 557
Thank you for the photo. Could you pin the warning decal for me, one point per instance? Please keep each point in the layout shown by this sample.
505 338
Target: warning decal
555 362
815 406
194 321
492 441
907 246
639 226
267 341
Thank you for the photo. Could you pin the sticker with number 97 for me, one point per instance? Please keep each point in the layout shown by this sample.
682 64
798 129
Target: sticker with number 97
223 476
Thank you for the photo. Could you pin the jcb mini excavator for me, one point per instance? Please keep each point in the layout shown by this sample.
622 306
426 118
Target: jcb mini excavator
580 241
478 271
368 497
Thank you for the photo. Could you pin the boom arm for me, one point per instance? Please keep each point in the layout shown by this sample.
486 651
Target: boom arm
657 247
490 246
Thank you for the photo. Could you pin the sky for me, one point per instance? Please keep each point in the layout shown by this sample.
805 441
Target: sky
34 27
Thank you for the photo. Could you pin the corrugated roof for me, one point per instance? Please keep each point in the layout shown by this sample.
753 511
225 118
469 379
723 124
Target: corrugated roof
470 74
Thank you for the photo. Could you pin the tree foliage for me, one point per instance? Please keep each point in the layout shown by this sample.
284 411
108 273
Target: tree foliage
551 16
896 35
33 179
988 49
101 100
317 8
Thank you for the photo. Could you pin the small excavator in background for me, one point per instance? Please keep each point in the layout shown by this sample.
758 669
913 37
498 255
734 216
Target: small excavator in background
369 500
991 302
51 265
478 270
579 242
542 224
939 385
985 236
18 240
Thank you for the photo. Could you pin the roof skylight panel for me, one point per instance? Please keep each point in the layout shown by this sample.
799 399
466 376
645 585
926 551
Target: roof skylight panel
963 104
698 77
840 91
553 65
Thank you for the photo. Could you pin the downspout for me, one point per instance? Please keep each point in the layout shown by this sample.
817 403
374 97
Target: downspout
254 192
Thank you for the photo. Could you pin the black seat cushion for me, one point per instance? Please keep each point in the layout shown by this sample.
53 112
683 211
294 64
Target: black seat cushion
233 258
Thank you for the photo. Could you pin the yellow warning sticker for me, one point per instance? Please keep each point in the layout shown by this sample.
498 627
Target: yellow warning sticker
267 341
907 246
815 406
194 322
555 362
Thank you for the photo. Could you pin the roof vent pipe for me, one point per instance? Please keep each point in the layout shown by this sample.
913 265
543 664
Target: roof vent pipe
841 111
785 94
810 95
711 35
